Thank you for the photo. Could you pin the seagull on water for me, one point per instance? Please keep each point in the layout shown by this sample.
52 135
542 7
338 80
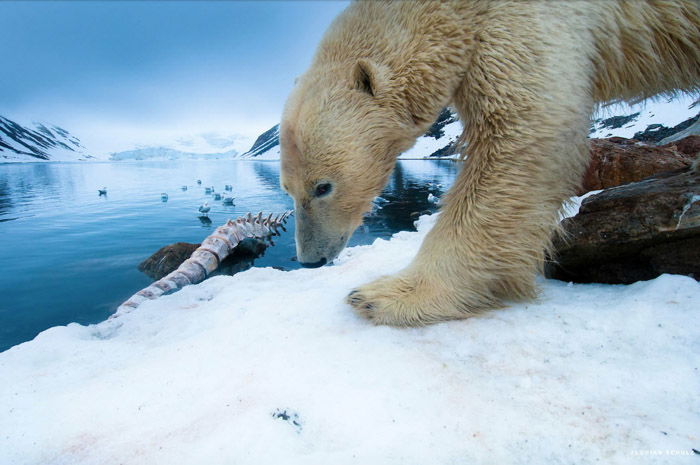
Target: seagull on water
102 191
164 197
204 209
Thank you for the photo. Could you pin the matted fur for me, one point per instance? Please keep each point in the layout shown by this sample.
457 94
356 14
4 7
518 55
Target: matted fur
524 78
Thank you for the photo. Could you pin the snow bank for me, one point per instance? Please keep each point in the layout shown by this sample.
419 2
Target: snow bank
271 367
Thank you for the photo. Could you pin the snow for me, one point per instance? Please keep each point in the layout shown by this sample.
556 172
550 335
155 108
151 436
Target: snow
651 111
426 145
572 207
272 154
272 367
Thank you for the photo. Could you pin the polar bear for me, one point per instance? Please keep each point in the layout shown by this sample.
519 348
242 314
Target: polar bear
524 78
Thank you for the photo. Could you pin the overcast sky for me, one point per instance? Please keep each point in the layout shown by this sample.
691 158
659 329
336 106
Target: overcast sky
122 74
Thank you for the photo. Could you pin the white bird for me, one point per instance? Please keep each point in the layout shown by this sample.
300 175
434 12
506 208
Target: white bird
433 199
204 209
102 191
228 187
207 190
164 197
228 200
184 188
217 196
199 181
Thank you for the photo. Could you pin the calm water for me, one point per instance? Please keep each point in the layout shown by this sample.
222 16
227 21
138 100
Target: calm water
69 255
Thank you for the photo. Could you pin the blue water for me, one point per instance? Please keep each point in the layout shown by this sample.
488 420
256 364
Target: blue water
70 255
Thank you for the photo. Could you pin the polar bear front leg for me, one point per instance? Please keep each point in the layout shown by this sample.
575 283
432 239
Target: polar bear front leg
485 248
495 225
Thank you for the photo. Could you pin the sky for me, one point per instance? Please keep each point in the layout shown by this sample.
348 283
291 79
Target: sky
125 74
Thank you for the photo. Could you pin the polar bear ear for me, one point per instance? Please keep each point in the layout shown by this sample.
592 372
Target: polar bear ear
366 77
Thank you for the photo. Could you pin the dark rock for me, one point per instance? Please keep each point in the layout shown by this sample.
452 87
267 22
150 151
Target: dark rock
633 232
167 259
444 118
656 132
450 149
617 161
616 122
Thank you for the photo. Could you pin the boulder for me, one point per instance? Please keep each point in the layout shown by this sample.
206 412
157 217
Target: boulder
689 145
617 161
633 232
167 259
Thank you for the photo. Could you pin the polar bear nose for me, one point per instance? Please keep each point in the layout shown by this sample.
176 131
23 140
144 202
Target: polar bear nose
321 262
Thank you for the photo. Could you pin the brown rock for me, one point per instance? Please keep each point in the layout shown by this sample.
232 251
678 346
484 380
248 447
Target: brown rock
167 259
688 145
633 232
616 161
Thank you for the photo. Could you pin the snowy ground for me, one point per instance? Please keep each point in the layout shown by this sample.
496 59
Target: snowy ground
271 367
651 111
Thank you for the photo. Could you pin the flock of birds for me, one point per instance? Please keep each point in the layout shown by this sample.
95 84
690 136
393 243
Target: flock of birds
203 209
227 199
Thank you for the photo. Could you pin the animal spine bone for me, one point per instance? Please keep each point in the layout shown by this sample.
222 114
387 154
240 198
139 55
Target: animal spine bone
203 261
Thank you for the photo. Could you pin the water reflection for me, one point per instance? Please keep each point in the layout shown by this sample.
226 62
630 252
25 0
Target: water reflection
72 254
268 173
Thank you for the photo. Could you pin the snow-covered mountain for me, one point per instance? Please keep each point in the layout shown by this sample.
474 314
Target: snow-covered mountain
266 146
38 142
650 121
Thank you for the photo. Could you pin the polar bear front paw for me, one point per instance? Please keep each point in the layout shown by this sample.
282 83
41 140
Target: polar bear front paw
405 301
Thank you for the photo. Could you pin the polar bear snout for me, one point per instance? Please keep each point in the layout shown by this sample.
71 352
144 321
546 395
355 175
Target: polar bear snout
317 264
318 242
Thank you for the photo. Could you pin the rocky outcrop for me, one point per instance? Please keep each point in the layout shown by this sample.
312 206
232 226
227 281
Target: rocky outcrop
617 161
633 232
658 133
689 145
692 130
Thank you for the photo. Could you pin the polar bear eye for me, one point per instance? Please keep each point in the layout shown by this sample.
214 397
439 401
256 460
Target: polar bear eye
323 189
